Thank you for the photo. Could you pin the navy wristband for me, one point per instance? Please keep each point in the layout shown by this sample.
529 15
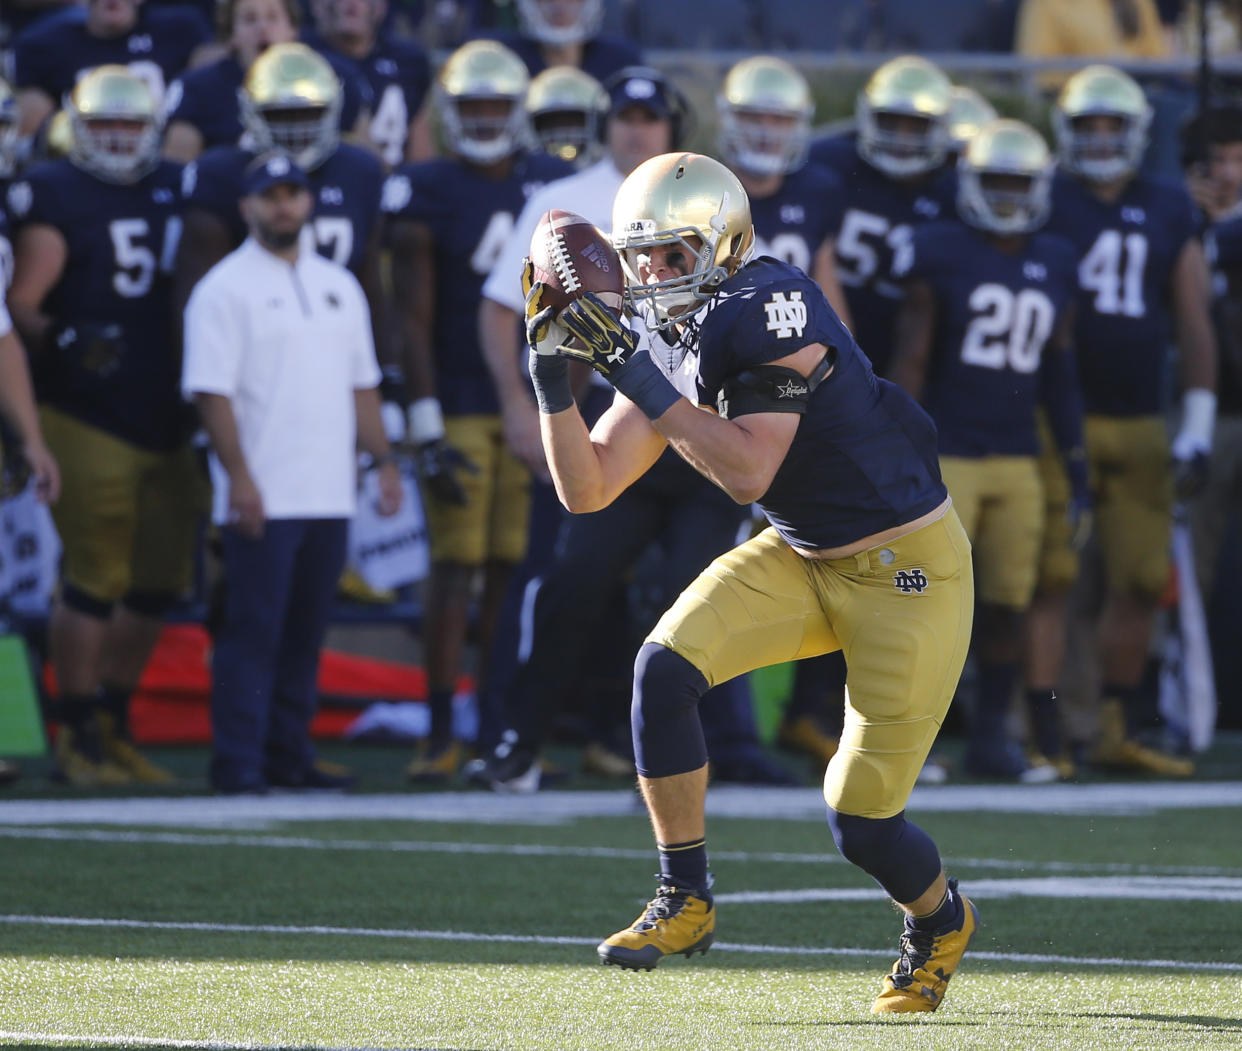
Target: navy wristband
550 375
641 380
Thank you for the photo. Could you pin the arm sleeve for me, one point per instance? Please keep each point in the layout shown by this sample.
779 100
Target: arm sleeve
1062 398
213 341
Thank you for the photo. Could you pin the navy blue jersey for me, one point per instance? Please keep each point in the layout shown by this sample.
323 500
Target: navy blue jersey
470 218
1224 243
1127 251
347 195
864 456
51 55
602 56
791 224
878 217
207 99
995 313
121 242
398 77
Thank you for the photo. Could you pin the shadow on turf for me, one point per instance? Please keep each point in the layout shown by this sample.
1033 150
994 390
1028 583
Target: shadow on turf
1207 1021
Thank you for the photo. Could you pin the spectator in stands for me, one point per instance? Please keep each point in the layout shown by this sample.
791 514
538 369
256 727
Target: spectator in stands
1091 28
566 33
91 297
203 107
280 361
449 220
1142 279
396 71
156 44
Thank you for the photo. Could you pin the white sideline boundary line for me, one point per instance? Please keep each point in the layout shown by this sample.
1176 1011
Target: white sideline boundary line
536 939
388 846
555 807
101 1040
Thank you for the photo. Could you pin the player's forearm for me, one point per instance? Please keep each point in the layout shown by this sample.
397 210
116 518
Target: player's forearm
576 468
17 403
498 338
726 452
372 437
1197 344
216 412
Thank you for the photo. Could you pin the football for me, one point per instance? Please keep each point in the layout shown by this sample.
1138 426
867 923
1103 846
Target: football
570 257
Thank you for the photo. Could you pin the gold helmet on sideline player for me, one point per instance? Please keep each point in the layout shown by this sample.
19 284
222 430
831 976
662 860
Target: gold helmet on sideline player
1005 179
903 117
480 97
116 124
566 108
291 101
1101 119
765 110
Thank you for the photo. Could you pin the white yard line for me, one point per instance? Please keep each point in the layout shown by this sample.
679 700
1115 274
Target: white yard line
1129 888
532 939
740 801
389 846
106 1040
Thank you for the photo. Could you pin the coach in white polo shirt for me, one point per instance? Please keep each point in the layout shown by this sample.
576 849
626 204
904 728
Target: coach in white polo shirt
280 360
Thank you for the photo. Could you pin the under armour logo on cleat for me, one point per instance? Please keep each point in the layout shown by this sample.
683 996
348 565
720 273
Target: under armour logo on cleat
910 580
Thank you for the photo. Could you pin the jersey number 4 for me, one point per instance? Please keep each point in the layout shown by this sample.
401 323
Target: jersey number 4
1113 270
1009 330
136 261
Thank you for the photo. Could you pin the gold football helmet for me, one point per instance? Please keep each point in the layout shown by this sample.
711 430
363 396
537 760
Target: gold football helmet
483 71
968 112
9 121
116 124
755 91
58 139
565 107
560 22
688 200
903 117
291 101
1005 179
1101 155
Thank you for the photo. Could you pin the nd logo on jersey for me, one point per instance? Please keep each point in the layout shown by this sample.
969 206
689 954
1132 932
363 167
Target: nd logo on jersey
786 316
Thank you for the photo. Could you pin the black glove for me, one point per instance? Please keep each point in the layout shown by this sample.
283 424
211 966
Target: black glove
1190 475
438 464
604 342
94 347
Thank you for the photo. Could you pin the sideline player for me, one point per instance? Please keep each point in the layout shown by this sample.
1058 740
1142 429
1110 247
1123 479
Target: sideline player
94 246
865 552
449 220
1143 279
983 338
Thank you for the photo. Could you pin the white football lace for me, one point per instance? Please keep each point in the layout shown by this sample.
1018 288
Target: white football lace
563 264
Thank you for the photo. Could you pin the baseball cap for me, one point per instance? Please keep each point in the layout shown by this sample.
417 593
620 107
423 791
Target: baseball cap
273 169
638 86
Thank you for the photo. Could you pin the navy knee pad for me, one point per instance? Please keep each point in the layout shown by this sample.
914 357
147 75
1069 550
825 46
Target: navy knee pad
896 853
664 716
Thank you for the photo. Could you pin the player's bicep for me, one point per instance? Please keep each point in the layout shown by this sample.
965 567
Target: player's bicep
39 255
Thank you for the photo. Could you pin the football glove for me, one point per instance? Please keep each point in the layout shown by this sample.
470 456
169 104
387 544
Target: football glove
1193 445
439 464
549 372
611 348
95 347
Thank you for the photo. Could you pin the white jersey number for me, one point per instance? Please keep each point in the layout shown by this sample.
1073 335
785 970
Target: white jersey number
332 236
391 125
492 243
1113 270
788 248
136 261
863 237
1010 330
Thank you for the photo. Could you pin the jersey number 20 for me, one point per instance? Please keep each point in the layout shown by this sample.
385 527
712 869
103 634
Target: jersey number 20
1009 330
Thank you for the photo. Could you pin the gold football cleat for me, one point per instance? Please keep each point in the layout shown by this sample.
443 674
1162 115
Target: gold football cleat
676 920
